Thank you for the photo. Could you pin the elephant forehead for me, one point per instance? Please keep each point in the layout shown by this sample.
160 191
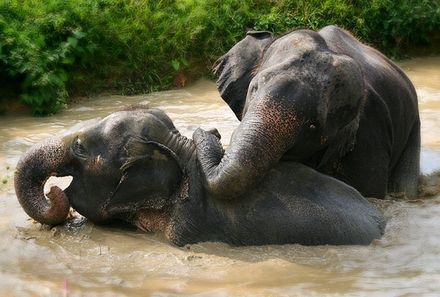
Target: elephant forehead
294 44
131 123
118 122
82 126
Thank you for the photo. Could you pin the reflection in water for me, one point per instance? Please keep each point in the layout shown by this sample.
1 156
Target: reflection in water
94 261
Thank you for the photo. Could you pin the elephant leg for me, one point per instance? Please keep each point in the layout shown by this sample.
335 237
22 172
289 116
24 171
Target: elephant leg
366 172
367 166
405 175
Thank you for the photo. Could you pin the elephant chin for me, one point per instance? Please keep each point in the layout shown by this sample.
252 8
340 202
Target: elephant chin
33 170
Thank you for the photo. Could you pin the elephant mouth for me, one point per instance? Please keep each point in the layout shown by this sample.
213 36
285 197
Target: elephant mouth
152 220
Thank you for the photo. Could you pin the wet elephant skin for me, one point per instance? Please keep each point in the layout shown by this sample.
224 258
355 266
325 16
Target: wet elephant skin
135 166
318 98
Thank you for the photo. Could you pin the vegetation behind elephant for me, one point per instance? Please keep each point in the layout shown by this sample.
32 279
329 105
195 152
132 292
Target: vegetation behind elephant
319 98
135 166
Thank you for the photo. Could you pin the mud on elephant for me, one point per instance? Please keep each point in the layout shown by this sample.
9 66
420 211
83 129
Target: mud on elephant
135 166
319 98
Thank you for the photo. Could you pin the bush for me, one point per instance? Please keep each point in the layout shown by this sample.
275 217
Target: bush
54 47
37 47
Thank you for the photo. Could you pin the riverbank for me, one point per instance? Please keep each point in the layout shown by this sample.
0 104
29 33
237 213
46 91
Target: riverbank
51 51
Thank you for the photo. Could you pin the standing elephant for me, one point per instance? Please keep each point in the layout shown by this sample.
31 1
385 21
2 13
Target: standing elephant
135 166
319 98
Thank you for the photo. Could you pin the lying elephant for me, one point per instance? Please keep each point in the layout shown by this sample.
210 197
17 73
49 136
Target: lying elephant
319 98
135 166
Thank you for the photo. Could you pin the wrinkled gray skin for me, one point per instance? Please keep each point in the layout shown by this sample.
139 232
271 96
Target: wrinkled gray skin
319 98
135 166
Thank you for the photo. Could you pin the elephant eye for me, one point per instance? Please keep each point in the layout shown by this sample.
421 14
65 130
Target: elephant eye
78 148
314 127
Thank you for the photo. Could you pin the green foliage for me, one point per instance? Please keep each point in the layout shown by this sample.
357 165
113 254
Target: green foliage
390 25
38 50
397 25
52 47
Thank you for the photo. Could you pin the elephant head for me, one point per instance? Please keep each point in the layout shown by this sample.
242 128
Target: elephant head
301 75
297 100
130 160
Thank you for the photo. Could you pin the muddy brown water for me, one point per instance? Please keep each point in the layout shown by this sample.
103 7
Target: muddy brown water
97 261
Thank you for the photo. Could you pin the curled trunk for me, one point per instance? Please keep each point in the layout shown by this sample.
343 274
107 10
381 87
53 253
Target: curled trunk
33 170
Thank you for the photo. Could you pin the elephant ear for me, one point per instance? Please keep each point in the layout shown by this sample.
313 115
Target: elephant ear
151 175
236 68
346 100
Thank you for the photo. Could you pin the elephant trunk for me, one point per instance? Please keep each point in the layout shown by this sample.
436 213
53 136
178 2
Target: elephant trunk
182 147
33 170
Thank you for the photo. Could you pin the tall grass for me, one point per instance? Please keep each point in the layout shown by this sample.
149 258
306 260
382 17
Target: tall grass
52 47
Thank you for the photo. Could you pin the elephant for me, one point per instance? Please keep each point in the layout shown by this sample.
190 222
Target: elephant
134 166
322 99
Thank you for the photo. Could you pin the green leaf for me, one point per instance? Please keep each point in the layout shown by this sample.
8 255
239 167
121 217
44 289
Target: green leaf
185 62
73 42
68 60
175 64
79 34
